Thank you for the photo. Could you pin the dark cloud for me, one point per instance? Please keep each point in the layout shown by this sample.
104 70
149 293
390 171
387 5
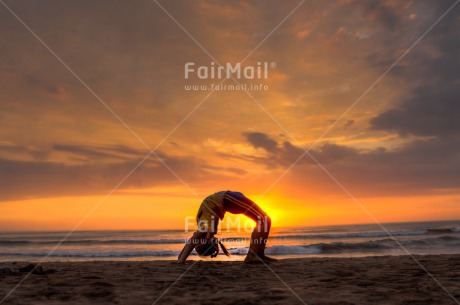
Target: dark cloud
261 140
379 11
349 123
42 84
418 167
287 153
425 166
28 151
428 114
432 108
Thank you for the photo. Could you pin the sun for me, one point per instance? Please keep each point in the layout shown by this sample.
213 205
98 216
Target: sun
273 211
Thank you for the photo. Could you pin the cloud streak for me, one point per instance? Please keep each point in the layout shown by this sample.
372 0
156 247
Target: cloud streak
96 170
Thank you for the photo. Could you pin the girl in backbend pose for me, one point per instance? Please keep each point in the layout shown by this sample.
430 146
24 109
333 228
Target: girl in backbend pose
214 208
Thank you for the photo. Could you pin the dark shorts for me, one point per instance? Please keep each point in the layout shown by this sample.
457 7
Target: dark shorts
237 203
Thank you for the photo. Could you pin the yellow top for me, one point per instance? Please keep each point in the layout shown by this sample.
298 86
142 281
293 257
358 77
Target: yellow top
209 213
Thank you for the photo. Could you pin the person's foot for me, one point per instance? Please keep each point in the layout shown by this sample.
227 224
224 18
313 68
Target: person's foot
259 259
269 259
253 259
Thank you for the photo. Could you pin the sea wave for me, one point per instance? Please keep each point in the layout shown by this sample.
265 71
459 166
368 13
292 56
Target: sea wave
93 242
430 231
440 243
376 246
96 254
323 236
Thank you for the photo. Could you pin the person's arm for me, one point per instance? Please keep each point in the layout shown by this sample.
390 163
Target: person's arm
190 245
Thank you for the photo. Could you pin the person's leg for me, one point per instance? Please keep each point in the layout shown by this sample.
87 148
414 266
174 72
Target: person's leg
266 225
237 203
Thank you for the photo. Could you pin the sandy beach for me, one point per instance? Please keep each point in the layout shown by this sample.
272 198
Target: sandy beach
344 281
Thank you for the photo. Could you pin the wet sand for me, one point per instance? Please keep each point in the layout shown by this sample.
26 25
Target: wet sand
313 281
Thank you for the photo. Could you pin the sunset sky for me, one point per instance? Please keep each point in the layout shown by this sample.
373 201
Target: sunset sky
89 87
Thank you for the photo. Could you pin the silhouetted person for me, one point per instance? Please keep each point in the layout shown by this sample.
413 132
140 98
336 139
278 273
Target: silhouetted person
214 208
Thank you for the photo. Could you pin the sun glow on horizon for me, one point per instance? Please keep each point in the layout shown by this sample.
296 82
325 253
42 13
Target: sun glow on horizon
145 212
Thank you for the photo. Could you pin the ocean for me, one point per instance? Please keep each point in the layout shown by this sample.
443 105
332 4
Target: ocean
442 237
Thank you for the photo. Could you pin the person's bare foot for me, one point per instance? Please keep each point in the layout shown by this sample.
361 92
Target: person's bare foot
259 259
253 259
269 259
